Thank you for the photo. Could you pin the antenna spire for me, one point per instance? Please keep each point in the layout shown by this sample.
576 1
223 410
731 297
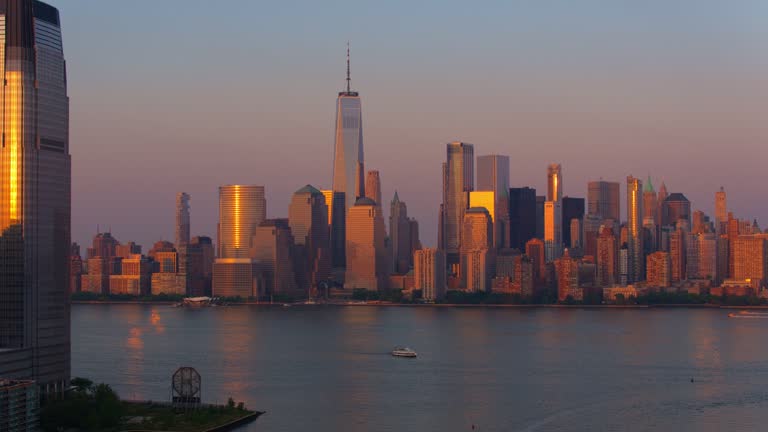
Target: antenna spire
348 78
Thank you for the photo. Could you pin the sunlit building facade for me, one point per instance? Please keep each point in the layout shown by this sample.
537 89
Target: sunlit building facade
237 277
242 208
659 269
373 186
35 179
721 211
636 258
553 229
367 260
607 257
493 175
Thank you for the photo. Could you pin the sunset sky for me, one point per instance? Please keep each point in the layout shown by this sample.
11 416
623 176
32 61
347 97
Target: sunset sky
169 96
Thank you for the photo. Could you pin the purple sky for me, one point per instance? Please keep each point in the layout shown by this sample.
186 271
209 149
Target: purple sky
182 96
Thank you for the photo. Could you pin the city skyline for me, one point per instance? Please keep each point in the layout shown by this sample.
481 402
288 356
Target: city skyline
534 114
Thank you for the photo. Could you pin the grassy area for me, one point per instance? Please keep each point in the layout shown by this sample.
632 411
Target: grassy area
96 407
164 418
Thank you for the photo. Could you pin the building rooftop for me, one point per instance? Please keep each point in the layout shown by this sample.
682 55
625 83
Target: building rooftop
365 201
676 196
310 190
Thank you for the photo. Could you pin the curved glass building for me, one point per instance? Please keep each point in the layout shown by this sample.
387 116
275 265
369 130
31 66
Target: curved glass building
35 176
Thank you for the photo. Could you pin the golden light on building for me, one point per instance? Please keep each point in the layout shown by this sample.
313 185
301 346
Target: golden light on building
484 199
328 194
236 217
14 122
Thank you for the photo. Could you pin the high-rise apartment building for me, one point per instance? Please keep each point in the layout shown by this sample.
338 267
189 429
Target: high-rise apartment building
554 182
522 216
242 208
477 257
367 260
678 254
553 213
493 175
182 219
35 191
607 257
750 258
534 248
603 200
701 260
635 229
553 229
567 273
458 181
429 273
659 273
721 211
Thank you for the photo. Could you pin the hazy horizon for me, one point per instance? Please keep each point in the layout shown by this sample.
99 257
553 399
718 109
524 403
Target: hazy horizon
181 96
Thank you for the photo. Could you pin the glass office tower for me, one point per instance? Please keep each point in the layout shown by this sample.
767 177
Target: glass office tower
35 177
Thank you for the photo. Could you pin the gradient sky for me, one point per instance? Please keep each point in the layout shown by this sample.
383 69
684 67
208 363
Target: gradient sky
170 96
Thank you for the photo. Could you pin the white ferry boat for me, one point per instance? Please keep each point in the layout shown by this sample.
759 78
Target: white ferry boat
403 352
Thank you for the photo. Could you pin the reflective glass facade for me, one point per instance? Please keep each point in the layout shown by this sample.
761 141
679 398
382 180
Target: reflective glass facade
241 209
458 181
35 175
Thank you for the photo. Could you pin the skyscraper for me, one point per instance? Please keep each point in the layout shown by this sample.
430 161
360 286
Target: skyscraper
348 150
400 236
458 181
182 219
721 211
493 175
477 257
650 204
635 257
348 165
603 200
242 208
307 216
373 186
429 273
35 179
553 213
554 182
367 260
607 257
573 208
522 216
271 247
676 207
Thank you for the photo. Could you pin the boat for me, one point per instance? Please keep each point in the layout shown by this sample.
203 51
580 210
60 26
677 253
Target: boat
750 315
403 352
196 302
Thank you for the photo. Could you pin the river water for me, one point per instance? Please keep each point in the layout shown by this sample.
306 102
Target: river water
315 368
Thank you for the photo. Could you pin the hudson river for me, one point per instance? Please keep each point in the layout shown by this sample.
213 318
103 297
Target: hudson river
507 369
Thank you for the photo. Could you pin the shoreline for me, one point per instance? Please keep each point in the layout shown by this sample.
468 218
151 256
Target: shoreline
440 305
